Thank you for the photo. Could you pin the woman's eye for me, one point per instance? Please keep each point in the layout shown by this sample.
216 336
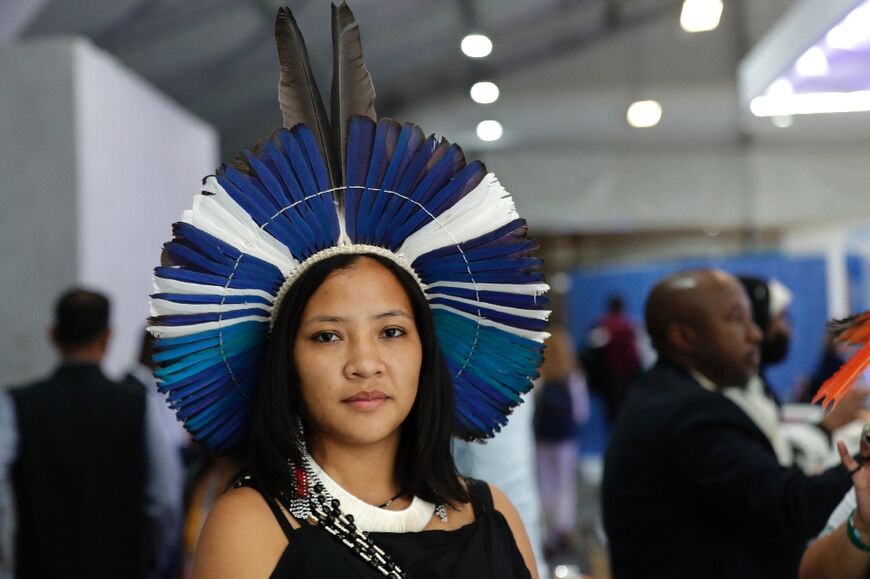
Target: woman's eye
393 332
326 337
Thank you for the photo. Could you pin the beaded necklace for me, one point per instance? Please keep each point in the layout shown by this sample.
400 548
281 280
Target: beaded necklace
315 502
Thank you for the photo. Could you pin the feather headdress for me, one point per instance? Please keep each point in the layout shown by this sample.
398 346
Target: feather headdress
349 184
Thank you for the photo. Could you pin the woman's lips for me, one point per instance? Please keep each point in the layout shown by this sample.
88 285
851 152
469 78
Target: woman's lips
366 401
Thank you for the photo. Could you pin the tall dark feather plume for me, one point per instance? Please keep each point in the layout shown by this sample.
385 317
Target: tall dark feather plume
353 93
297 90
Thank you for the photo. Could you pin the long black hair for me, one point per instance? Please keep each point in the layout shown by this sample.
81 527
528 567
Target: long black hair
424 464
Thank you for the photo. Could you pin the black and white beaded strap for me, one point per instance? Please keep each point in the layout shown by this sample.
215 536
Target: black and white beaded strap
326 513
317 507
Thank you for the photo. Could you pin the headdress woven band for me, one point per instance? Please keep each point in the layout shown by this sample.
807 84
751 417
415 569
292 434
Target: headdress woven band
266 216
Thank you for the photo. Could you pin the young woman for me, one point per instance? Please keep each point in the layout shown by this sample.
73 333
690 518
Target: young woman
342 302
354 355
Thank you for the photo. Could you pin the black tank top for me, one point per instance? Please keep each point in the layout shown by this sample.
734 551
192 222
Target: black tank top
483 549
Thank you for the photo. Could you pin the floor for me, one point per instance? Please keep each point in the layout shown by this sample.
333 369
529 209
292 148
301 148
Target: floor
586 556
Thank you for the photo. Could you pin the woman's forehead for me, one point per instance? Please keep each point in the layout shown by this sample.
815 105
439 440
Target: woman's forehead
363 287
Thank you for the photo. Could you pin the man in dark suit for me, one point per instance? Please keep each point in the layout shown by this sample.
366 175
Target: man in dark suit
692 488
79 459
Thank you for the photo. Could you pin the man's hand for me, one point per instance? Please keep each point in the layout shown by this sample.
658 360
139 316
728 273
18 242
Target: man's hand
846 411
861 479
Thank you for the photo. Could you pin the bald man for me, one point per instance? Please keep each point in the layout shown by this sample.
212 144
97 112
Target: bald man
692 488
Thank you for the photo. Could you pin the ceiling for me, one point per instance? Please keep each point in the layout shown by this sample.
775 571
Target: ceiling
566 68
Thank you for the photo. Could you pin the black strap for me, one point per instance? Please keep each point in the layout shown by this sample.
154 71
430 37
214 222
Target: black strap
481 497
247 480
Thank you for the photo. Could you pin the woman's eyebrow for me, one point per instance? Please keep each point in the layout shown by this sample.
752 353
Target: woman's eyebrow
393 314
323 318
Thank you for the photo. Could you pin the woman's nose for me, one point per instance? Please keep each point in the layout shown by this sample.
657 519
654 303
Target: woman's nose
364 359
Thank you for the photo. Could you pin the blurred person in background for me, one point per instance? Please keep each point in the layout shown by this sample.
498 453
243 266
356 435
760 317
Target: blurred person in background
561 406
692 488
769 301
140 375
210 475
509 462
89 461
830 361
611 358
802 444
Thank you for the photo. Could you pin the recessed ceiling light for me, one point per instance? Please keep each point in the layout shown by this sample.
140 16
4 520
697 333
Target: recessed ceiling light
644 114
700 15
476 45
484 92
489 130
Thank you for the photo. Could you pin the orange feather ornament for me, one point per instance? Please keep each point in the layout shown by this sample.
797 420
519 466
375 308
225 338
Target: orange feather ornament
854 331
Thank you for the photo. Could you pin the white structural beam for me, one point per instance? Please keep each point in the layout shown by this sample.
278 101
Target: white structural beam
804 24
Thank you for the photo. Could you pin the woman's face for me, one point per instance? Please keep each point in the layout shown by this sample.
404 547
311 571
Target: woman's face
358 355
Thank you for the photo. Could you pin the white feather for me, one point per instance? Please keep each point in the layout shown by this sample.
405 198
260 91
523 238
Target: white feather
530 289
171 286
522 312
160 307
177 331
528 334
219 215
484 209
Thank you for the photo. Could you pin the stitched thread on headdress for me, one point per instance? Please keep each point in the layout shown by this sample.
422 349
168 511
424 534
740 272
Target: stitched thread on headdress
338 250
349 249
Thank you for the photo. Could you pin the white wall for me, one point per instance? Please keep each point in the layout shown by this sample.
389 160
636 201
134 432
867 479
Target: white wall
38 199
141 159
96 165
829 241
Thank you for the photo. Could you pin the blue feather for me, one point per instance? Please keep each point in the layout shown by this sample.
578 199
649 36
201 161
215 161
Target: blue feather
319 208
229 345
529 302
245 192
212 299
282 219
366 227
455 189
235 329
187 275
200 318
377 165
359 153
295 210
324 203
445 166
409 176
480 309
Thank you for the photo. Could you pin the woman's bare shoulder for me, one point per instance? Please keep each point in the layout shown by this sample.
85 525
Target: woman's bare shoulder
240 539
503 504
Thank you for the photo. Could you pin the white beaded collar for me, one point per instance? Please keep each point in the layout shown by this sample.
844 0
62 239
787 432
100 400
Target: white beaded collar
374 519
